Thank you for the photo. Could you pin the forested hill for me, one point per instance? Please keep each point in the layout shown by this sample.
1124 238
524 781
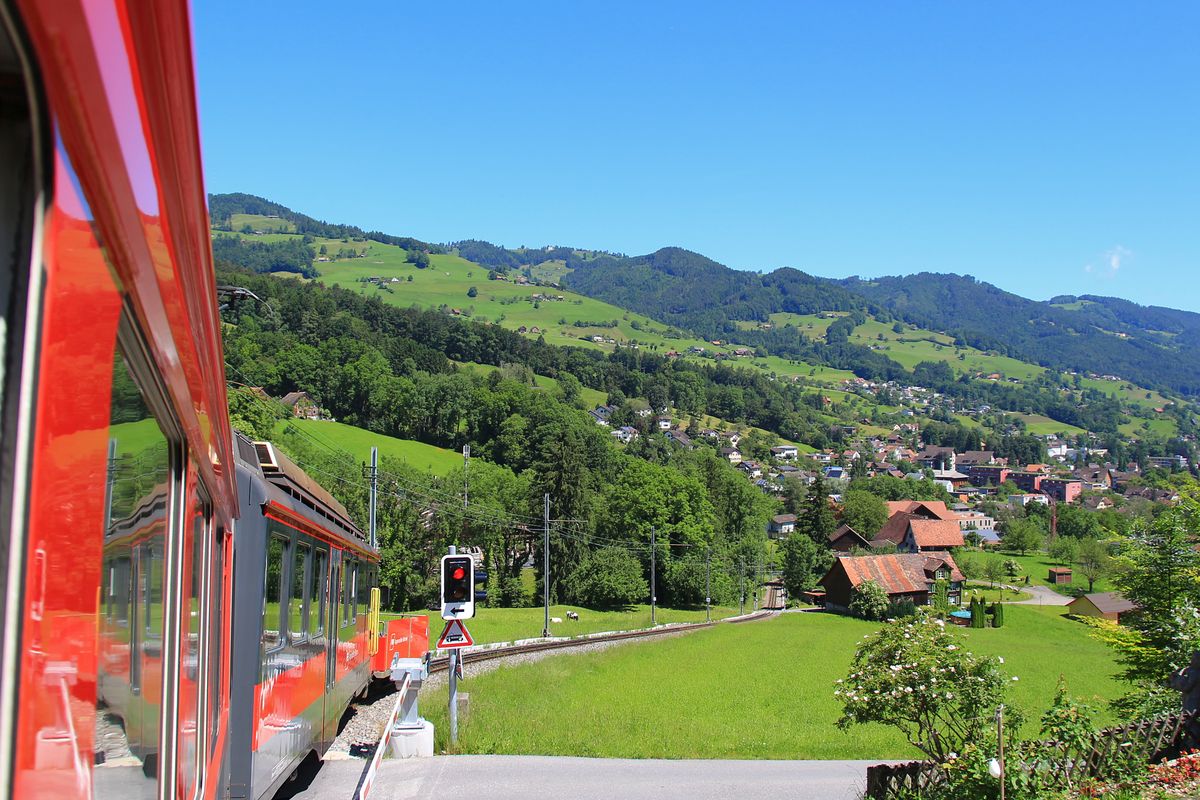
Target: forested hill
222 209
692 291
1151 346
1154 347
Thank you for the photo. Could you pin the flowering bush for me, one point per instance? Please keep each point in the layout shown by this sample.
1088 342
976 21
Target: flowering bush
916 676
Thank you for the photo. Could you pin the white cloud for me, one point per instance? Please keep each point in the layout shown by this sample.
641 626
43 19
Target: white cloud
1111 262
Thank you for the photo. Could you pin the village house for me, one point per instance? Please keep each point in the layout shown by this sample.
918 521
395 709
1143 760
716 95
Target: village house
972 458
781 525
925 535
601 414
785 451
1064 490
751 468
1023 500
1104 605
933 457
680 438
663 423
1094 476
988 474
845 539
731 455
302 405
624 434
903 576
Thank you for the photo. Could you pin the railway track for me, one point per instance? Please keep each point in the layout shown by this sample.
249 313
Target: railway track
442 663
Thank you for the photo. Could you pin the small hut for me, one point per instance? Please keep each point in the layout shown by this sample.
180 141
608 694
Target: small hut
1059 575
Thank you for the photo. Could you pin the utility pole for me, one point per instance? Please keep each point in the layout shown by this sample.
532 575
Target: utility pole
466 461
546 564
708 586
653 533
372 473
741 586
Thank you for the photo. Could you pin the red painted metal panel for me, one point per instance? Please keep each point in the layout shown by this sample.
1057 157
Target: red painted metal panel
60 643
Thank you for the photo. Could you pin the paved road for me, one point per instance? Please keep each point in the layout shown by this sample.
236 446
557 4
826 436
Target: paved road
551 778
1042 596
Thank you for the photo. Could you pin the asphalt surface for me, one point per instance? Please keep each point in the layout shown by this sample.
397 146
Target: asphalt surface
553 778
1042 596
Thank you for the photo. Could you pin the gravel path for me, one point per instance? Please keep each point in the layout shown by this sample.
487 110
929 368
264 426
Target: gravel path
370 715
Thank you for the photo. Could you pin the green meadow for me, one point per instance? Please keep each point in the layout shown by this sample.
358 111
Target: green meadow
358 442
1043 425
492 625
757 690
1037 567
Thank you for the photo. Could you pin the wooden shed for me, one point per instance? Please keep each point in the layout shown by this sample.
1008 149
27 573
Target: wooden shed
1059 575
1106 605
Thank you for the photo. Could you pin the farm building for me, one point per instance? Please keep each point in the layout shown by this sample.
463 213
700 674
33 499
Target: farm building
1105 605
1059 575
904 576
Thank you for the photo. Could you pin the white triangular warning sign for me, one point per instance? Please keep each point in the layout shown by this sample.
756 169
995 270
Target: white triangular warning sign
455 635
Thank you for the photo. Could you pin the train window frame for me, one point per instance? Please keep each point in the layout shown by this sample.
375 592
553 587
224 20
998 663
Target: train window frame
301 557
200 510
281 618
318 593
216 608
131 345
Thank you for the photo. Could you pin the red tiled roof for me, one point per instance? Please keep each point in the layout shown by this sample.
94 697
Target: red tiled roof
936 533
897 574
934 509
932 562
895 528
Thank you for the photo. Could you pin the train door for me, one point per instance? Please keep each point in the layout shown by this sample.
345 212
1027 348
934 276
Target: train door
337 567
318 637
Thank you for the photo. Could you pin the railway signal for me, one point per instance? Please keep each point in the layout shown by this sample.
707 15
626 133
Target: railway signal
458 587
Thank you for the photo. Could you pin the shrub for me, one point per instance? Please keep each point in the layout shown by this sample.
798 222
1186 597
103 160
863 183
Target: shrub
869 601
915 676
608 578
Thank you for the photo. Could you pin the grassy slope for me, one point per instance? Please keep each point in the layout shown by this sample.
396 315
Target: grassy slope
358 442
1043 425
763 690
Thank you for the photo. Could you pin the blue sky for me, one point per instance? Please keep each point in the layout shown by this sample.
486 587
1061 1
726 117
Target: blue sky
1049 148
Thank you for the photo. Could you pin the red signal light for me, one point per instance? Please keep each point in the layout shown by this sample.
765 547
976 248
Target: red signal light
458 574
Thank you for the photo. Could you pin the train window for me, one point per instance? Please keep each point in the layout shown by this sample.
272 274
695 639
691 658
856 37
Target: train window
316 597
137 498
365 581
272 635
347 590
190 669
297 620
216 655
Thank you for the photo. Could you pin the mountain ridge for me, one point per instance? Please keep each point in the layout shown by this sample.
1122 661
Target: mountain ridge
1152 346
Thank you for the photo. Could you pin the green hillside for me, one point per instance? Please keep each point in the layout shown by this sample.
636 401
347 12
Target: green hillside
358 442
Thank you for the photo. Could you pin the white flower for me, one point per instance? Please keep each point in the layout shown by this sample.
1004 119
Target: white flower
1015 678
1000 658
951 647
949 695
895 667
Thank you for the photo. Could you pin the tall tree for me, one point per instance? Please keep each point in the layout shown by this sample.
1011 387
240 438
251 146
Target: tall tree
815 519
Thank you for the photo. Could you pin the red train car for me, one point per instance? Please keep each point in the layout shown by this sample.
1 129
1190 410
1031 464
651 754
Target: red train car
117 487
301 642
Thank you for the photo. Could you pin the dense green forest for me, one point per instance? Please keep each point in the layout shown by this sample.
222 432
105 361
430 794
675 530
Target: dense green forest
390 370
1155 347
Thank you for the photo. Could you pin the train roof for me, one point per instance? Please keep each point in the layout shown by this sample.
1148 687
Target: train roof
295 488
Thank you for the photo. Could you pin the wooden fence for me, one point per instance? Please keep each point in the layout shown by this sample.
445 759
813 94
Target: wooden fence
1149 740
